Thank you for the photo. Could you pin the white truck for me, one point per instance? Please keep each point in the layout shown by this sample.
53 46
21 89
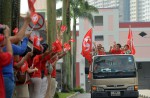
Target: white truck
113 76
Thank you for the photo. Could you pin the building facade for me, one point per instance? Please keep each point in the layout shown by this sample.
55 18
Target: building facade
130 10
104 3
143 8
133 10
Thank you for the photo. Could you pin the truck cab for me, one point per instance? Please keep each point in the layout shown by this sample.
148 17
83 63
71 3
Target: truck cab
114 76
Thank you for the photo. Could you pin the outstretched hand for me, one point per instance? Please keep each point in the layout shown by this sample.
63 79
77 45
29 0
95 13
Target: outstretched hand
6 31
27 18
28 34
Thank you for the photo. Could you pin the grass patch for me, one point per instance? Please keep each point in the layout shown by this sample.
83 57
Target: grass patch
65 95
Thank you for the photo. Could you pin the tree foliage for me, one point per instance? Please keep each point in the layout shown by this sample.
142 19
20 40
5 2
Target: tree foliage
80 8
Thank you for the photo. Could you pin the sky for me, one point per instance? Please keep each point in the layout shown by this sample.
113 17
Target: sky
24 6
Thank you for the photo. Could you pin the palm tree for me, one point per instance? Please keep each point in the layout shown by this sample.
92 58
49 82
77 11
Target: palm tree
10 13
81 9
51 21
66 36
78 9
51 30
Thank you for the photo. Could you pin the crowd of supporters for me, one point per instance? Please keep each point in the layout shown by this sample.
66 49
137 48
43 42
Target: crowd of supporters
115 49
26 72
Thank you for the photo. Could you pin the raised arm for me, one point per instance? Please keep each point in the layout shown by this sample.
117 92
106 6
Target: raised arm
7 39
18 37
6 57
25 58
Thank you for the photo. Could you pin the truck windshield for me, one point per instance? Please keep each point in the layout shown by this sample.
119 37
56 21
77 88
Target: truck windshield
114 66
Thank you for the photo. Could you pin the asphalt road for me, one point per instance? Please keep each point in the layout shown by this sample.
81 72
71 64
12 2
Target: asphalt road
86 95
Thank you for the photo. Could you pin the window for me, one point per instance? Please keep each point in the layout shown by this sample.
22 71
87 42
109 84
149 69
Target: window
99 38
98 20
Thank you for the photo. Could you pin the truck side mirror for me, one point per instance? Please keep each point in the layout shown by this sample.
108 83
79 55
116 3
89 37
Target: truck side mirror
86 70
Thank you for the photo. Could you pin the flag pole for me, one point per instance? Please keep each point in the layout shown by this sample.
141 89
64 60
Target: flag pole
129 26
33 37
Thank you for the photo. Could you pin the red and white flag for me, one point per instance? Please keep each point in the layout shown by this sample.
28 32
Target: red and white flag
63 28
35 18
57 46
36 42
15 31
67 47
31 5
130 42
87 46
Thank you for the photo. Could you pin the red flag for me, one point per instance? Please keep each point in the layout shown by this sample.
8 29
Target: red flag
63 28
130 42
67 47
133 49
87 46
31 5
57 46
35 18
15 31
33 1
36 42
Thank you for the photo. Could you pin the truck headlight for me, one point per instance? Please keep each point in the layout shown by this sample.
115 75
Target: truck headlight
95 88
132 88
136 88
100 89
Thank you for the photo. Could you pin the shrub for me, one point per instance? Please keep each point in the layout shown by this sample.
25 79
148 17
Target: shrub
56 95
81 90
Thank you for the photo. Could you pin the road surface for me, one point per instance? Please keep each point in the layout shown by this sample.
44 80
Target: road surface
86 95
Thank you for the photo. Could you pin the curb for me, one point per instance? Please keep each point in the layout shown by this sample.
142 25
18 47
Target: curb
143 96
71 96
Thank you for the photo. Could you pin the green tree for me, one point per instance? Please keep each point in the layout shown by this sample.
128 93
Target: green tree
10 12
78 9
51 21
66 37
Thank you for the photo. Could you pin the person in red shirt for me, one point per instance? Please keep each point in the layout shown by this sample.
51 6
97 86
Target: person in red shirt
116 50
36 81
53 74
52 58
35 85
5 57
46 69
49 61
101 51
22 71
126 49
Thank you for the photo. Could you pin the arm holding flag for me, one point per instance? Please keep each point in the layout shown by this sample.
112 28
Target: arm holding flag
22 61
18 37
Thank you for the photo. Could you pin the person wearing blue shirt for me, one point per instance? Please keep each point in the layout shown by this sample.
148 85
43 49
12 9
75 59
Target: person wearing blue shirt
8 73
